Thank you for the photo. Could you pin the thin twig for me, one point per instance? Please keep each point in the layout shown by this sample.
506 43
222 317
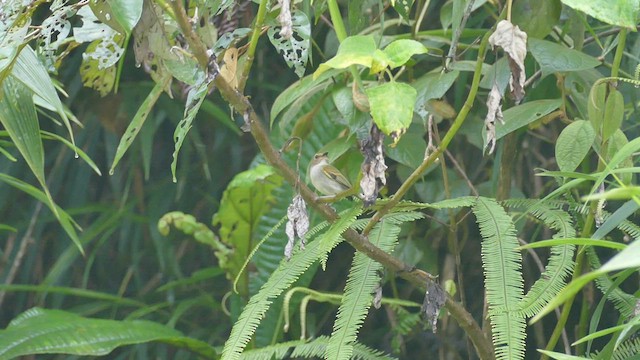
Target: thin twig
27 239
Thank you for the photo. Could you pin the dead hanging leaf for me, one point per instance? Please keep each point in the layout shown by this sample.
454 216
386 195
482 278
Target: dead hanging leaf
285 19
494 113
514 42
373 166
230 66
377 297
297 224
434 299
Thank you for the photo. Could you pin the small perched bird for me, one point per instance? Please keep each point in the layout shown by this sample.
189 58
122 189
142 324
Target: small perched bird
325 177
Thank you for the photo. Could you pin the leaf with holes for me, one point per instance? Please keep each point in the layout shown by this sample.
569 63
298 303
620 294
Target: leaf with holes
294 50
121 15
573 144
137 122
195 98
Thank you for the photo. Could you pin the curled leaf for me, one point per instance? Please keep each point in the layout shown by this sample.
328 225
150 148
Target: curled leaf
297 224
494 112
377 297
373 166
514 42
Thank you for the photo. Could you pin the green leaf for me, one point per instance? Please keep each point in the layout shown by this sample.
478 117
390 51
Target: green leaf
400 51
522 115
194 100
247 198
121 15
553 57
354 50
403 7
294 50
574 241
596 104
332 237
30 71
613 114
615 143
392 107
432 86
138 121
536 17
502 264
573 144
562 356
43 331
618 12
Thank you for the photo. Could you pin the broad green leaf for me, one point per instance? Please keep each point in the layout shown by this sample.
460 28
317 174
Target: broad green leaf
400 51
617 158
596 104
392 107
553 57
623 193
138 121
536 17
357 22
354 50
43 331
617 12
562 356
522 115
446 12
121 15
409 150
432 86
247 198
294 50
300 92
573 144
613 114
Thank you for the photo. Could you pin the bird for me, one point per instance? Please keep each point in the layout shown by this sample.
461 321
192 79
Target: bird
325 177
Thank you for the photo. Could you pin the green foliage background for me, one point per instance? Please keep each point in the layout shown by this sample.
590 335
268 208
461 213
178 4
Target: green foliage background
137 204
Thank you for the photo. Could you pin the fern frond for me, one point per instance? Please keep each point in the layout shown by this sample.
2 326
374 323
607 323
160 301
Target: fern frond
333 237
627 350
503 278
317 348
464 201
623 302
258 305
560 264
276 351
363 279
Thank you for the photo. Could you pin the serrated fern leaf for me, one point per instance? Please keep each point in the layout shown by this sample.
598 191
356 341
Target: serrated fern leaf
332 237
258 305
276 351
464 201
627 350
560 264
503 278
317 347
623 302
363 279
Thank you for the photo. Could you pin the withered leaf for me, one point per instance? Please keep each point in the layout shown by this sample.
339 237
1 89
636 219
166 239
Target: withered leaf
434 299
494 113
514 42
285 19
373 166
297 224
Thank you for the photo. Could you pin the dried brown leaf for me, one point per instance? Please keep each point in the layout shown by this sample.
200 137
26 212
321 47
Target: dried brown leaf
297 224
494 113
514 42
373 166
434 299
